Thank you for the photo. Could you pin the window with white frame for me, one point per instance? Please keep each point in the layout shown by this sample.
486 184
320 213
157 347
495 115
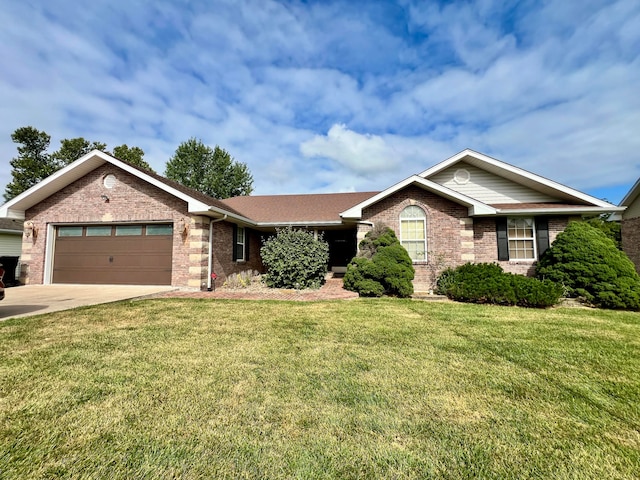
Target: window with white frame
521 235
240 242
413 232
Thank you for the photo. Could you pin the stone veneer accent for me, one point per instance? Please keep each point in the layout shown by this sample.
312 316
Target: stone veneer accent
631 240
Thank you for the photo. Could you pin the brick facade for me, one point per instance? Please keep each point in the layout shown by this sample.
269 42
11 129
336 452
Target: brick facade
631 240
130 200
449 230
453 238
223 263
486 244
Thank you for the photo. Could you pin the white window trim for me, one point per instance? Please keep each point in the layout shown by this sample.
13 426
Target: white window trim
241 230
533 239
424 218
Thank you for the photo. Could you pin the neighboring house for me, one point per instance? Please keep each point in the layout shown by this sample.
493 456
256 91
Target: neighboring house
101 220
10 248
630 224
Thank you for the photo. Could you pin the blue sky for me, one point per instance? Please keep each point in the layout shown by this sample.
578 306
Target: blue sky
333 96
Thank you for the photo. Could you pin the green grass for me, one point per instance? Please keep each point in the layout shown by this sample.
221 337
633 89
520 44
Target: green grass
360 389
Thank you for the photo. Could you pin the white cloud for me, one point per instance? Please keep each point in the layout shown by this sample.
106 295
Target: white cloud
362 154
549 87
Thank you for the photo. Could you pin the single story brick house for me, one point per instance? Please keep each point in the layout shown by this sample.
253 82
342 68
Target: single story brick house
630 224
100 220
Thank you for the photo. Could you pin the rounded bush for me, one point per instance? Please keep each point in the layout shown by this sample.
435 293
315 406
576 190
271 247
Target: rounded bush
295 259
383 267
589 265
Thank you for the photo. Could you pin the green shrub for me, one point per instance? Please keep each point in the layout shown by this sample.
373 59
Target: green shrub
383 267
610 229
533 293
488 283
481 283
589 265
295 259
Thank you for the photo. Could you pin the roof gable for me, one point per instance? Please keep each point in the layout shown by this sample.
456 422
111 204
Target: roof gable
197 202
631 195
488 187
543 187
475 207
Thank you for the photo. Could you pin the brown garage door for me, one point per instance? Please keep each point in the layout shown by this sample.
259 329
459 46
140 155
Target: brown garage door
119 254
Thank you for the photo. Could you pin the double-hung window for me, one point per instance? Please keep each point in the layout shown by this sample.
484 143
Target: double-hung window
413 232
521 235
240 250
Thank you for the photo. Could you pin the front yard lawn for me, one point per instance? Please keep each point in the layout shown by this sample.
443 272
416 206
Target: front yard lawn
179 388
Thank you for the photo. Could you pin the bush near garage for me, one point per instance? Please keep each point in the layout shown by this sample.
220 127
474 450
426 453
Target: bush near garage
295 258
591 267
488 283
383 267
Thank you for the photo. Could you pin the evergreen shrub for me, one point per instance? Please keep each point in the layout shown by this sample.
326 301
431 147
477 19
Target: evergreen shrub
589 265
295 259
488 283
382 268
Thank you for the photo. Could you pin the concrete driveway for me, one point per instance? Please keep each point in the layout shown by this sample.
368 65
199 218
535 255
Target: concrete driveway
35 299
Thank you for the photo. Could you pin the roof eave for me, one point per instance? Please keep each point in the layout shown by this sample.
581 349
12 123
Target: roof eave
475 207
212 211
631 195
15 214
16 207
301 223
558 211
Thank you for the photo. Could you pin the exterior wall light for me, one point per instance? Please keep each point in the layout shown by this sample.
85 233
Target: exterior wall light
30 230
184 228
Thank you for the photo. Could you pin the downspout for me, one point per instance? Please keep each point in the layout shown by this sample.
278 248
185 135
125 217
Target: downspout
210 261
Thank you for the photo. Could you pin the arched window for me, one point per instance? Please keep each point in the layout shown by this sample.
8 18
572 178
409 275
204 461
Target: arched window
413 232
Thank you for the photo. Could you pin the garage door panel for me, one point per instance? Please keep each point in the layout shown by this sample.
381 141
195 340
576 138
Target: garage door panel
139 259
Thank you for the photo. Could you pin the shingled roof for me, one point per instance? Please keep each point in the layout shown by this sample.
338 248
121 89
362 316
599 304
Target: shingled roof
214 202
307 209
10 224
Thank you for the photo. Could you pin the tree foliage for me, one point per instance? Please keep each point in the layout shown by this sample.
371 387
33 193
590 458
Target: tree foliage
610 229
72 149
33 164
295 259
589 265
213 172
132 155
382 267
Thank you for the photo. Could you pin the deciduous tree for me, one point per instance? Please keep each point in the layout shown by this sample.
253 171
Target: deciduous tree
213 172
132 155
